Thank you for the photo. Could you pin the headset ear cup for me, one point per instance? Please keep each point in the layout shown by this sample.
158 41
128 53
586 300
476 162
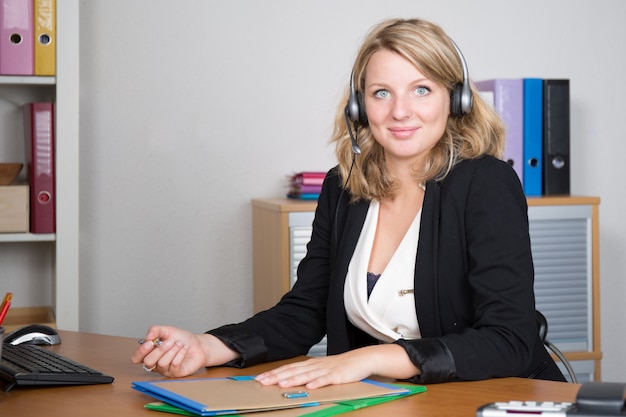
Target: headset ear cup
456 108
362 113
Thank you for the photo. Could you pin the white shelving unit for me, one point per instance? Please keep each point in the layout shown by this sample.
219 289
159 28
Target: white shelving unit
63 246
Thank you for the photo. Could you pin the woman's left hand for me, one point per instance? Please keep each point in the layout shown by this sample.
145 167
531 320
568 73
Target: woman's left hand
383 360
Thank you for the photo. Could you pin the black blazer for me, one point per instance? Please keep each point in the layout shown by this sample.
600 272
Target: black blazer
473 283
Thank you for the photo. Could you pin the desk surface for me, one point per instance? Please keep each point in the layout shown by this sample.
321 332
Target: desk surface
111 355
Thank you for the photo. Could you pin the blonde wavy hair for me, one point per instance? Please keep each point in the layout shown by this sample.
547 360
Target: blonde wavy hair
472 135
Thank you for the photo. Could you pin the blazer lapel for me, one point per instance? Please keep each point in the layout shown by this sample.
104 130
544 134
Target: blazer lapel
348 229
426 273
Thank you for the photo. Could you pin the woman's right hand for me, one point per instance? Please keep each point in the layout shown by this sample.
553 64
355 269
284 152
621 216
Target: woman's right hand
179 352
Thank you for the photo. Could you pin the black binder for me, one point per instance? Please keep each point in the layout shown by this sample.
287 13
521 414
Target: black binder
556 137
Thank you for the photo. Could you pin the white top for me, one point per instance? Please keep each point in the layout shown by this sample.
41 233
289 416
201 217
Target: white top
390 312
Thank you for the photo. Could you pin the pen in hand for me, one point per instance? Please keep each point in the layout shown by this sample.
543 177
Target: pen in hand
156 342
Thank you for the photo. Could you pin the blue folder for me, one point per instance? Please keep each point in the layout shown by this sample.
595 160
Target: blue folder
236 395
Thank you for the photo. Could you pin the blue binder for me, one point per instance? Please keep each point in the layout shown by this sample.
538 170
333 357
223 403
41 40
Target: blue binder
533 136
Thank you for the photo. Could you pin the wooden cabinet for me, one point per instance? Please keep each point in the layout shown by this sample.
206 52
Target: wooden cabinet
565 244
273 254
564 234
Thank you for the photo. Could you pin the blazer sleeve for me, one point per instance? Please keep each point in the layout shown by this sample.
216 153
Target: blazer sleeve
298 321
484 279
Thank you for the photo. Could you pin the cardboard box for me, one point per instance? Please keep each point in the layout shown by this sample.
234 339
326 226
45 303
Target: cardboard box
14 209
21 316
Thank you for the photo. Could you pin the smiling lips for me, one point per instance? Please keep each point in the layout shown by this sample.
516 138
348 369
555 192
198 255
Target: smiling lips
402 132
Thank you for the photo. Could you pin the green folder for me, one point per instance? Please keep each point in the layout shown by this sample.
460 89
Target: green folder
324 410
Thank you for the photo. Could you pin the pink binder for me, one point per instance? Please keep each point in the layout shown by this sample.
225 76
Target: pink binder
39 138
16 37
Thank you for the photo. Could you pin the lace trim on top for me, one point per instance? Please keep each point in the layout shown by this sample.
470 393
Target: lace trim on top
372 278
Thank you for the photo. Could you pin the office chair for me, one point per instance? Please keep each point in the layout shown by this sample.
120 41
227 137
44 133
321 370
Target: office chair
542 324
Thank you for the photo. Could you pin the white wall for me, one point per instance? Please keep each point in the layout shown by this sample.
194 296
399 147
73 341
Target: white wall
189 109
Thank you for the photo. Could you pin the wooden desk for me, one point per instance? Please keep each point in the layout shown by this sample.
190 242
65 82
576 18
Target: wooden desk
111 355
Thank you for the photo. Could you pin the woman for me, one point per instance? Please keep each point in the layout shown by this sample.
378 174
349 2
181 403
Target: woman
419 266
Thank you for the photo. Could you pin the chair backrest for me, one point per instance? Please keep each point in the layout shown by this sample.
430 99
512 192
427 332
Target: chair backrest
542 327
542 324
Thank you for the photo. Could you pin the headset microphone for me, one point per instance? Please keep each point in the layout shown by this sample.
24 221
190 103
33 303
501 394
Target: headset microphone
355 146
354 112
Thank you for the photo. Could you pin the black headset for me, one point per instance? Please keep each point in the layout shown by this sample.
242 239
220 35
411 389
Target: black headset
461 101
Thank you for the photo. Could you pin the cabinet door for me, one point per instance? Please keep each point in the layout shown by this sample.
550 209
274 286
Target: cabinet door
561 245
299 235
561 240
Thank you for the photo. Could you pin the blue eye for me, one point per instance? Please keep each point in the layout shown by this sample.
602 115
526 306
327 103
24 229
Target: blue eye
381 94
422 91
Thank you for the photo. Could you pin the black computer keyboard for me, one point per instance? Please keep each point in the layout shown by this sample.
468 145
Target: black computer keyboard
34 365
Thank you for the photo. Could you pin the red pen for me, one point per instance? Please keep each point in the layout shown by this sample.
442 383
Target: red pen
4 308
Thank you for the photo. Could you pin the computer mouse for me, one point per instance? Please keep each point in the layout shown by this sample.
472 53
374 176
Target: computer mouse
33 334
